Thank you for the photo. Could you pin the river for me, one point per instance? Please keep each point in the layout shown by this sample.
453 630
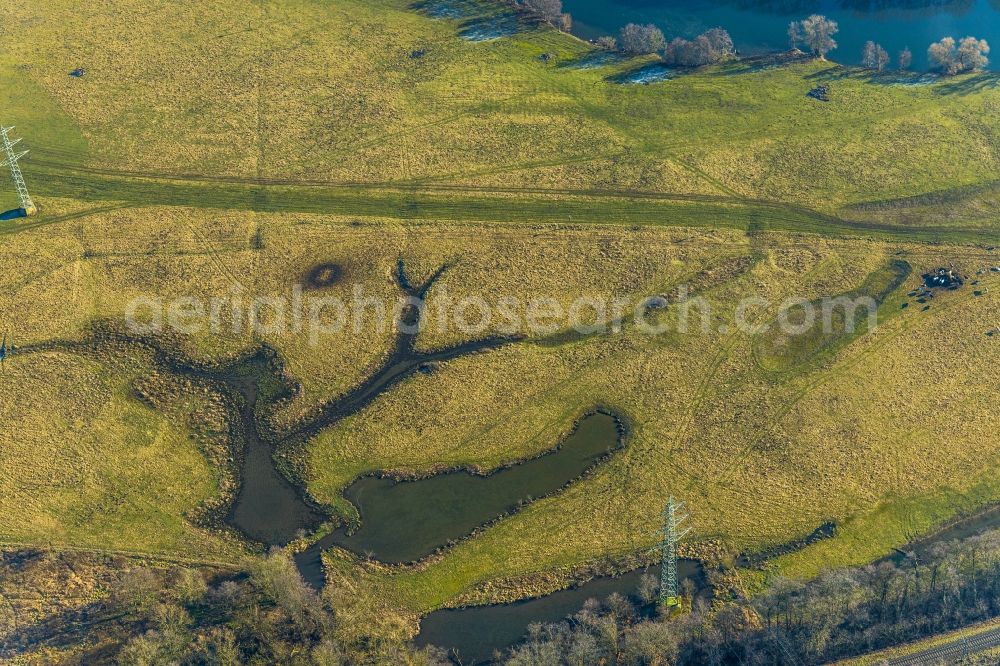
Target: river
759 27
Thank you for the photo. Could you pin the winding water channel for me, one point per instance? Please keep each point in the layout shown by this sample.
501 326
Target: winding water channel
403 521
472 634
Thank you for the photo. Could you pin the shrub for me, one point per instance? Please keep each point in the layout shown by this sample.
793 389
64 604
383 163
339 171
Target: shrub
713 46
607 42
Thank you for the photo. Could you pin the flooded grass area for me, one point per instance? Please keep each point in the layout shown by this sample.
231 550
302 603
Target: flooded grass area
645 75
594 60
479 22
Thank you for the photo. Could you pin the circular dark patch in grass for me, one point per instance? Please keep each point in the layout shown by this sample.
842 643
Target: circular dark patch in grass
324 275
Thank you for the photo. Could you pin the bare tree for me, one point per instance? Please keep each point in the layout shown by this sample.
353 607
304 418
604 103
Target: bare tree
817 32
720 44
883 59
944 55
905 59
972 54
868 55
637 39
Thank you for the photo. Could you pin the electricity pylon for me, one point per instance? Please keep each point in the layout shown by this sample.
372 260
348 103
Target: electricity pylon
10 161
670 535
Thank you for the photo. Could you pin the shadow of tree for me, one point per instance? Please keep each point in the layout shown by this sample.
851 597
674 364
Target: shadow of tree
594 60
487 28
645 74
479 23
760 63
67 629
964 84
972 83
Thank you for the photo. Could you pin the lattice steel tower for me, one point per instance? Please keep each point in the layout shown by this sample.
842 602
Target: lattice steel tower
10 161
671 534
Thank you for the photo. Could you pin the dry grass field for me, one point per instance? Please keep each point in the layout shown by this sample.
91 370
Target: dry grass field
221 149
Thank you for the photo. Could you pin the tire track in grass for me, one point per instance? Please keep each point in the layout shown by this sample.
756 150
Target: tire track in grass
708 377
508 169
666 456
43 221
353 149
622 208
795 213
598 114
823 378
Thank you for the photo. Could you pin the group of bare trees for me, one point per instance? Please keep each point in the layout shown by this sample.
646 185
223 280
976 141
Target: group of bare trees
951 57
842 613
267 617
874 56
712 46
635 39
968 55
816 33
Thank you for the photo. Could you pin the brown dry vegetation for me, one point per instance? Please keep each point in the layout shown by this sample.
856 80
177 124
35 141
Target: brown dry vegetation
889 435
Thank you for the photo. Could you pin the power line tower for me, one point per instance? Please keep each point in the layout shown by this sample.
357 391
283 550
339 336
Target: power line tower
10 161
670 535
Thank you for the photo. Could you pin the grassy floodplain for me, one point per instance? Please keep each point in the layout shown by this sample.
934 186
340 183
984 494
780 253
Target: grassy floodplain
232 146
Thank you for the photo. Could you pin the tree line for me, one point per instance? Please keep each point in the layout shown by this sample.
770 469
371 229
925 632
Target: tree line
947 55
815 33
842 613
712 46
268 615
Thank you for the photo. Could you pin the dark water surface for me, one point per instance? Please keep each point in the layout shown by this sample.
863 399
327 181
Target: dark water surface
403 521
268 508
759 27
474 633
